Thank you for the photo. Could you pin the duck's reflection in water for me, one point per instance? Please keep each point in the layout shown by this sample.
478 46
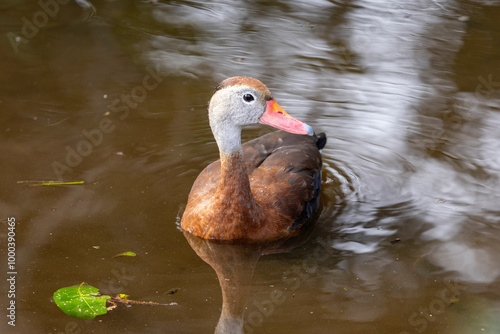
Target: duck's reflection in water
234 264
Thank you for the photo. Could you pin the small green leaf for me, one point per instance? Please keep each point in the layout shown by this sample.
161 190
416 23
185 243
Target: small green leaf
123 296
126 254
51 183
81 301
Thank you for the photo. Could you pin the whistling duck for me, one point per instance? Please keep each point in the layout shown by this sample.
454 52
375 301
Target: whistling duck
265 189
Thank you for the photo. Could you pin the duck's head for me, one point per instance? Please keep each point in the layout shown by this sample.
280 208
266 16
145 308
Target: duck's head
240 101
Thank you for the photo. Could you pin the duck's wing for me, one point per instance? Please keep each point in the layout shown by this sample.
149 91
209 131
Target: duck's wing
285 172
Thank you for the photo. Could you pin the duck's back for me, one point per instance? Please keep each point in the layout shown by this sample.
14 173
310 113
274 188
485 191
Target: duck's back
285 172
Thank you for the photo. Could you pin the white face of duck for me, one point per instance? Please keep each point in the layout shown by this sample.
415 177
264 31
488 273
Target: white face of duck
233 107
236 106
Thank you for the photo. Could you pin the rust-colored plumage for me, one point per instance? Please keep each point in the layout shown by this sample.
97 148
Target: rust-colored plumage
260 192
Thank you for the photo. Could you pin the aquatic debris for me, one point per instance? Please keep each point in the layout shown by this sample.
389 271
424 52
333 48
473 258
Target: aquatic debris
125 254
81 301
395 241
84 301
34 183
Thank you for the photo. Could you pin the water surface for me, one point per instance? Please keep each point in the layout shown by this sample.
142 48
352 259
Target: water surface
114 93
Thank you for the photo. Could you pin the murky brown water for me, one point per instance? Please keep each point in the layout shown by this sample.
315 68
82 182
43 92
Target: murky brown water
115 95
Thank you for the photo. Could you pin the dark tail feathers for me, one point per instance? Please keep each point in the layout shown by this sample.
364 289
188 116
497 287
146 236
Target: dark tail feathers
321 140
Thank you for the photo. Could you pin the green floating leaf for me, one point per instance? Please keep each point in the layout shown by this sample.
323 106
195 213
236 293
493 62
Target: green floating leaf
81 301
51 183
126 254
123 296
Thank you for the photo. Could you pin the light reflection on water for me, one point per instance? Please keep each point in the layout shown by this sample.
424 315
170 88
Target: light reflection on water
406 92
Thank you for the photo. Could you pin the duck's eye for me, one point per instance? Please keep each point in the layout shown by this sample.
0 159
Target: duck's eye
248 98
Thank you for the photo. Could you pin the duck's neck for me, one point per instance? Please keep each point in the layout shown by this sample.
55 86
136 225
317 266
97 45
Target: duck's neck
235 207
228 138
234 185
233 171
234 181
234 193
